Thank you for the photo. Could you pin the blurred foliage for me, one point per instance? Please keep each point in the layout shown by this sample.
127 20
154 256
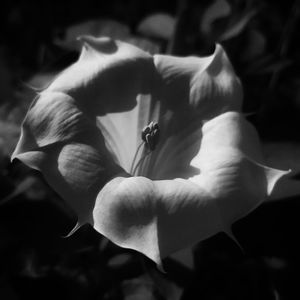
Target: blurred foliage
36 41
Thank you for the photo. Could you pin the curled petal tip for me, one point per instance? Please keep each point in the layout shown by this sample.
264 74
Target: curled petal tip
16 152
273 176
76 227
20 148
229 232
286 188
13 157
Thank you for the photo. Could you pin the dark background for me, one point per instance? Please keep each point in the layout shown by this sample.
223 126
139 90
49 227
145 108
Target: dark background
262 41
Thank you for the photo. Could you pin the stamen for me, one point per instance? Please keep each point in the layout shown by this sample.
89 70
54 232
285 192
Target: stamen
140 162
150 137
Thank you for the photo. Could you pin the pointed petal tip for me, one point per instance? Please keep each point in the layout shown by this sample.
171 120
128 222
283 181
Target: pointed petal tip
157 260
13 156
76 227
219 50
26 143
154 258
161 268
273 176
16 152
18 148
23 152
153 254
230 234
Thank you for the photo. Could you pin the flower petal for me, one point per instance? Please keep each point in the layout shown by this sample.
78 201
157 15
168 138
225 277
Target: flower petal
194 90
59 135
185 93
122 131
160 217
207 85
68 148
280 155
230 157
99 80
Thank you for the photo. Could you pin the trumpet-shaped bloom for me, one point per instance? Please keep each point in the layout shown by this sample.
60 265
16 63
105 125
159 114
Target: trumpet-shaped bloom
150 150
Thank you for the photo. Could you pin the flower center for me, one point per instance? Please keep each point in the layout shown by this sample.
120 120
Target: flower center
150 137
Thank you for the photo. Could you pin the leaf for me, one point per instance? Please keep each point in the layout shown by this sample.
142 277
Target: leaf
275 67
97 28
140 288
21 188
236 27
9 134
119 261
151 286
6 79
157 26
255 47
218 9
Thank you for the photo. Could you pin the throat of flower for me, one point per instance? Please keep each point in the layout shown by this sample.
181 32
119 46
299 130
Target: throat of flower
150 137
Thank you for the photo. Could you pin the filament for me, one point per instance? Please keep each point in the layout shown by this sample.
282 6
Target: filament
135 157
140 162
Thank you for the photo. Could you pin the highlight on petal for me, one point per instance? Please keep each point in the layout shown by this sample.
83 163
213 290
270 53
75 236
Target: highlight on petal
126 213
208 85
99 80
159 217
231 160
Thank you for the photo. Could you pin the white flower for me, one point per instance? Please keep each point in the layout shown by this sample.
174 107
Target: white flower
202 173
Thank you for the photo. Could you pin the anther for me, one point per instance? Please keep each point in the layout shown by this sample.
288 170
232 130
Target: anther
150 135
